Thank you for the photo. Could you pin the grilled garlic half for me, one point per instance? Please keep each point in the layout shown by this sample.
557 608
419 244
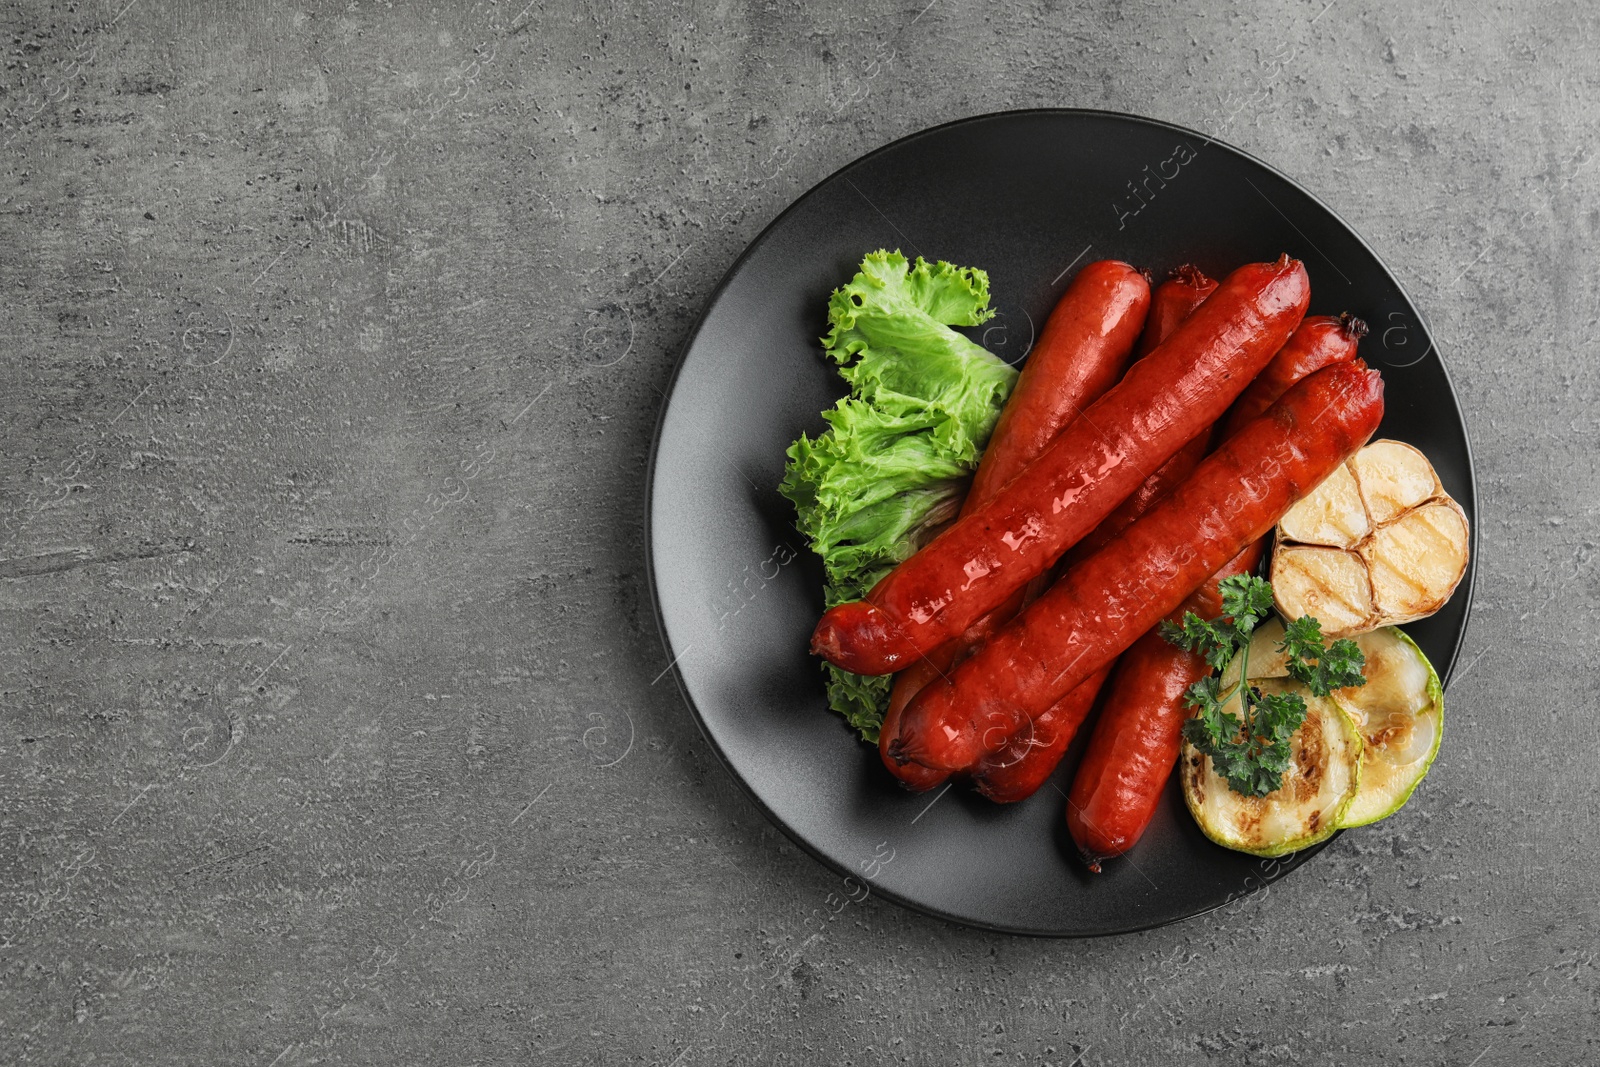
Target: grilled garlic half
1379 542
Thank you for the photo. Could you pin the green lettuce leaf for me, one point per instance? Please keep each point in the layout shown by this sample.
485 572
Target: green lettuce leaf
893 463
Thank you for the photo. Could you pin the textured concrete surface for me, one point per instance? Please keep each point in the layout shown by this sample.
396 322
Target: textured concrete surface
334 337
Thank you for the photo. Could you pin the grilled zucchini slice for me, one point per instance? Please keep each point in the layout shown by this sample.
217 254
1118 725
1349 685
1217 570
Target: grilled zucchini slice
1400 714
1323 779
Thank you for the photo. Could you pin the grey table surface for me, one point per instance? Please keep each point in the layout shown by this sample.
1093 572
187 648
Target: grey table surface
334 337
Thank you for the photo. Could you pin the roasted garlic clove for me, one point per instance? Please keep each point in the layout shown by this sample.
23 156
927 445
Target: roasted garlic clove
1333 514
1329 584
1417 560
1393 478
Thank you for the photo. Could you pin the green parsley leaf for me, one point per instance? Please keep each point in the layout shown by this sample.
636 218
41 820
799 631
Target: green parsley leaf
1253 754
1302 637
1213 641
1246 600
1321 669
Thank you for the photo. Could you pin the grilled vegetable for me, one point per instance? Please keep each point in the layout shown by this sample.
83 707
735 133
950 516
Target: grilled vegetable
1319 784
1252 750
1379 542
1400 713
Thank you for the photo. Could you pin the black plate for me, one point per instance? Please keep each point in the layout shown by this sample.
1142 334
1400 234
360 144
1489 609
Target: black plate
1027 196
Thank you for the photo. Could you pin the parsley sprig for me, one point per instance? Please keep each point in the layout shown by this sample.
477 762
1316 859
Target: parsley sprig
1253 754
